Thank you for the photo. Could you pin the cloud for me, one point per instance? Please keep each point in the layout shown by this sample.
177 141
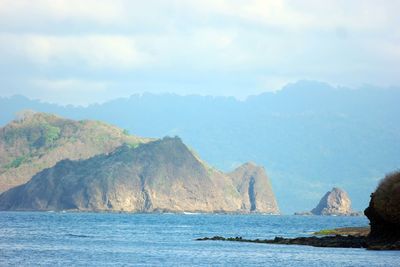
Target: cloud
40 15
218 47
38 11
57 86
93 51
79 92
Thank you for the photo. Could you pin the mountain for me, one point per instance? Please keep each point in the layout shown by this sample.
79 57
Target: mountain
162 175
334 202
309 135
36 141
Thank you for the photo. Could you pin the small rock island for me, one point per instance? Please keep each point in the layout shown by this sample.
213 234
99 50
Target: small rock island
334 203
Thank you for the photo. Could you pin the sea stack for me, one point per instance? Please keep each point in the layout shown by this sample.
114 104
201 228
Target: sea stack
334 202
254 186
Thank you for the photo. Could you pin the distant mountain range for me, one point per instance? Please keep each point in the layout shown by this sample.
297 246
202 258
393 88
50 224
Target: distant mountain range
309 136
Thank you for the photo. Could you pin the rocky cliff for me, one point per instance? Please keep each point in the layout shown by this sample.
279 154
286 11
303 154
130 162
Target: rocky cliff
334 202
162 175
384 213
254 187
36 141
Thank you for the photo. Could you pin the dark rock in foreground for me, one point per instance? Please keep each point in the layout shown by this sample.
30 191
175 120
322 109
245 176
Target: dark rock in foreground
337 241
384 212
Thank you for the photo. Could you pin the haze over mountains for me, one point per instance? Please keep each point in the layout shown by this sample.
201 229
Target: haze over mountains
309 136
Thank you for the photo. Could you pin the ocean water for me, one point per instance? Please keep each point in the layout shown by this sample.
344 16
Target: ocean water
104 239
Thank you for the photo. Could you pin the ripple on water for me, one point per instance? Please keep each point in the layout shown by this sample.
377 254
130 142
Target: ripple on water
100 239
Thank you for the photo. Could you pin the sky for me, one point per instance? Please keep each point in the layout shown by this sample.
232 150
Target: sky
81 52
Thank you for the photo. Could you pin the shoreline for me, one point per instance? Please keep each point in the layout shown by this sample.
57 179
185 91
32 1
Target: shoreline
326 241
349 237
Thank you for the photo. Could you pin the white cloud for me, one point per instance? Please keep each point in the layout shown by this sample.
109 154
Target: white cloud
56 86
93 51
269 12
81 92
304 15
221 47
161 14
100 11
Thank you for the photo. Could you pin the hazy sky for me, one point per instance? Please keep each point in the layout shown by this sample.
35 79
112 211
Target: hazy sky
74 51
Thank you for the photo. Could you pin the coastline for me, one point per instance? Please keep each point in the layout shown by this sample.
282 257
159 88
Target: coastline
347 237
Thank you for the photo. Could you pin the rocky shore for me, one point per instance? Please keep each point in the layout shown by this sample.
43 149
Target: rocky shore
357 239
383 213
337 241
345 231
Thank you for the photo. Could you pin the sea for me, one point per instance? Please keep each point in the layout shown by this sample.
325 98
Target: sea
125 239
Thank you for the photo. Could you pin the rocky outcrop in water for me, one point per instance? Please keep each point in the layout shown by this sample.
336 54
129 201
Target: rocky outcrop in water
162 175
334 202
254 188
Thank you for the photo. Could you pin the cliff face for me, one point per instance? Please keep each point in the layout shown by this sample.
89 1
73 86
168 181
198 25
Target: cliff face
162 175
37 141
384 211
335 202
254 188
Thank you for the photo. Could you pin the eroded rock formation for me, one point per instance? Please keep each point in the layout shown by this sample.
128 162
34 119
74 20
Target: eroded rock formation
334 202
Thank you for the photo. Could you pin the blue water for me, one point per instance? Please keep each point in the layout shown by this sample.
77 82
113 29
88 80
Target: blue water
99 239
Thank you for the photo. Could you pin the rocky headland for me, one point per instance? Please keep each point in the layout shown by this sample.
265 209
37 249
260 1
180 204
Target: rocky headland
157 176
36 141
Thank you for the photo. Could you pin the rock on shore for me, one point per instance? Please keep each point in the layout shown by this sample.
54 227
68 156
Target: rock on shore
326 241
384 212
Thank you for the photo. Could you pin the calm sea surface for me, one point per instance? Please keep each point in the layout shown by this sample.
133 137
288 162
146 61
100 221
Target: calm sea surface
99 239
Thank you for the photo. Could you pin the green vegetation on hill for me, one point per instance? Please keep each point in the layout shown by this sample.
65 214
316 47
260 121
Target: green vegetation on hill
16 162
36 141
